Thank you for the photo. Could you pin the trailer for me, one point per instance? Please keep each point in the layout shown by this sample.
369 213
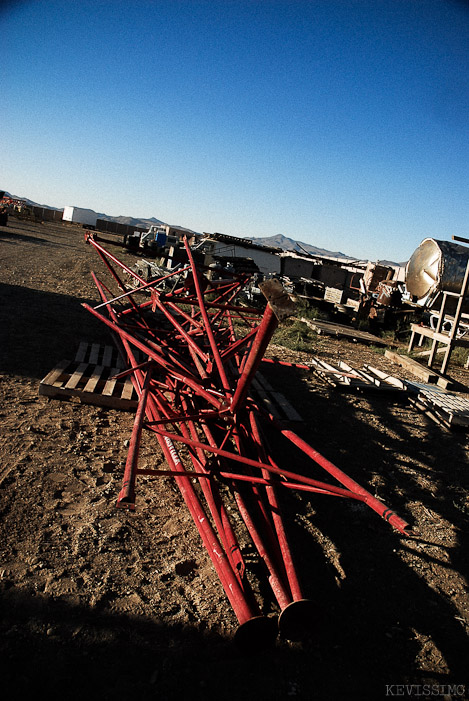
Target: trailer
77 215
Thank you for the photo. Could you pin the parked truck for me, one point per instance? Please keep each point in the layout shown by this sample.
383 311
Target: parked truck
77 215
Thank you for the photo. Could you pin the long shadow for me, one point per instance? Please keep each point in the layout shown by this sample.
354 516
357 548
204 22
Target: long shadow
48 329
378 605
75 652
12 238
16 232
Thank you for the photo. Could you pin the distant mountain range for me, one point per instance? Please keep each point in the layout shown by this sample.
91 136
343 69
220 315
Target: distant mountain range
131 221
278 241
287 244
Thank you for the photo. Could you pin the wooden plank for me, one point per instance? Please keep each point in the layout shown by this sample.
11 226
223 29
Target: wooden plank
76 376
359 374
263 382
329 373
342 376
110 383
426 353
128 390
388 379
107 356
94 354
53 376
424 373
274 402
94 379
340 330
268 403
289 410
440 337
81 352
256 385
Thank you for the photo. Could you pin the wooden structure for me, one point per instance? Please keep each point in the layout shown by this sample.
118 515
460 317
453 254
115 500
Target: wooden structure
437 335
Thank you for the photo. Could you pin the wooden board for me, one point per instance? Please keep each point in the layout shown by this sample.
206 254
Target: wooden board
442 337
341 331
96 354
424 373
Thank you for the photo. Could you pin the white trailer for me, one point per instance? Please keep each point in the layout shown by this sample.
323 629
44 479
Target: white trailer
77 215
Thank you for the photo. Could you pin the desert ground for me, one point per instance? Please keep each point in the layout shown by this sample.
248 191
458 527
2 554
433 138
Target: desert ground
103 603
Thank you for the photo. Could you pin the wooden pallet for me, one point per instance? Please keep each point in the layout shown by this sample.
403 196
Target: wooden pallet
446 408
96 354
344 376
90 378
342 331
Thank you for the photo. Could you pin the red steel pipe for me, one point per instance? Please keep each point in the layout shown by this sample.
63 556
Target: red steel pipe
126 498
348 482
261 341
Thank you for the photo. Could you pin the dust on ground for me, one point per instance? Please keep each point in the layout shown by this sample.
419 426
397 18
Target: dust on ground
103 603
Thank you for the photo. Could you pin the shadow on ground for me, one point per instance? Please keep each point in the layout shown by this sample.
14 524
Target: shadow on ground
48 329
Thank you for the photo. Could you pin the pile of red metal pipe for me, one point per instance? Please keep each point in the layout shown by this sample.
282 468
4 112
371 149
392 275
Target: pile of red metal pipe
192 351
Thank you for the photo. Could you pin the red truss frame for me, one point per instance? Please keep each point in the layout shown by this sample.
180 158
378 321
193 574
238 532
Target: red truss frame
194 393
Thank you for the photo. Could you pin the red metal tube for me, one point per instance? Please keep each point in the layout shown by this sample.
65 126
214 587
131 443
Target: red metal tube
208 328
277 517
261 341
276 582
255 629
378 506
126 498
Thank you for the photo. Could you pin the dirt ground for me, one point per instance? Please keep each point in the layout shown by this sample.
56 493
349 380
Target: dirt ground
102 603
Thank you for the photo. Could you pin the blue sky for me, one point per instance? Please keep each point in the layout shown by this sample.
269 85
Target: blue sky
341 123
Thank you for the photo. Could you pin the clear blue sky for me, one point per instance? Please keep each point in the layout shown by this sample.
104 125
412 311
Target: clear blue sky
341 123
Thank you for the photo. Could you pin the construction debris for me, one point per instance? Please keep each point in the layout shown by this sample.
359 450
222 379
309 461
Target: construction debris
346 377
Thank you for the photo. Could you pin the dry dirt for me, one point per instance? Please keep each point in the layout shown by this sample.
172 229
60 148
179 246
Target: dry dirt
101 603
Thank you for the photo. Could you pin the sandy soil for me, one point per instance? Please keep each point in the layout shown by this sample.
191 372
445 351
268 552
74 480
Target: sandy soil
102 603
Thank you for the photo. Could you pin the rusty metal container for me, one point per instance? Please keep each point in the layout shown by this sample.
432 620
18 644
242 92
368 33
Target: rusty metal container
388 293
436 266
